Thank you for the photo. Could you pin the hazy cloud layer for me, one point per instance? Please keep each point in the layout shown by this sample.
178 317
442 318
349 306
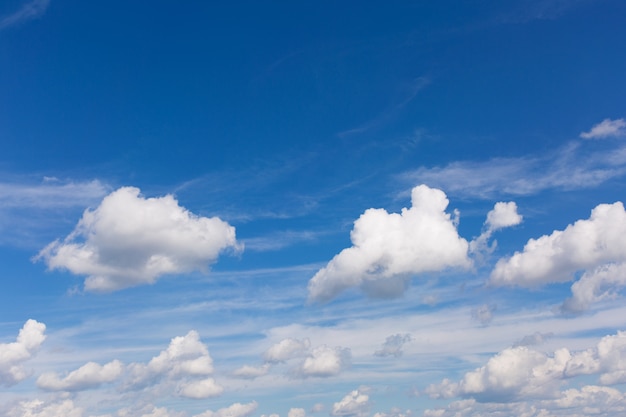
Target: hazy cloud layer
556 257
130 240
389 248
13 355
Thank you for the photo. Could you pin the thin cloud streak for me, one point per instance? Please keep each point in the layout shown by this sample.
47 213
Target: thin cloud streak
28 11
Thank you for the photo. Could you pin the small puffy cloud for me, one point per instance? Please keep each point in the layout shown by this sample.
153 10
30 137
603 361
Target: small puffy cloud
251 372
355 404
147 410
90 375
318 408
605 129
556 257
287 349
395 412
483 313
393 345
503 215
235 410
186 363
38 408
296 412
533 339
130 240
204 388
12 355
325 361
389 248
602 283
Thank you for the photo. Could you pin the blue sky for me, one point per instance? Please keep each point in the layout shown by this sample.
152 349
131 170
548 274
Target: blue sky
312 208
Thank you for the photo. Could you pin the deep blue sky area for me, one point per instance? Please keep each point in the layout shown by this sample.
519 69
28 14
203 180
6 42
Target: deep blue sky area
302 209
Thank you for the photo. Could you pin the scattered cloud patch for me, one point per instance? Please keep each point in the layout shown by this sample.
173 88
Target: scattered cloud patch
393 345
556 257
287 349
602 283
12 355
501 216
90 375
39 408
130 240
296 412
533 339
483 314
251 372
325 361
29 11
354 404
234 410
389 248
605 129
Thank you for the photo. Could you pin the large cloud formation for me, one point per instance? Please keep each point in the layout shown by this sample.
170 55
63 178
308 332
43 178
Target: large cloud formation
388 248
12 355
557 257
131 240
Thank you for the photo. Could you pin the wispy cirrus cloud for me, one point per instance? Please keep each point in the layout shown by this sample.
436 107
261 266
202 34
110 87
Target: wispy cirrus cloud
605 129
30 10
567 168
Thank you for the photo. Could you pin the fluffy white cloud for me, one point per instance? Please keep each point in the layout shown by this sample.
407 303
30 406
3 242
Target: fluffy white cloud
324 361
186 362
388 248
204 388
235 410
287 349
130 240
521 373
606 128
355 404
12 355
38 408
147 410
90 375
602 283
395 412
501 216
393 345
556 257
251 372
296 412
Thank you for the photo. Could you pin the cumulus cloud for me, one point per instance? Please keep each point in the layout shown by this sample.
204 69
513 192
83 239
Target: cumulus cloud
325 361
30 10
12 355
556 257
395 412
186 363
296 412
389 248
603 283
606 128
251 372
287 349
39 408
235 410
130 240
355 404
501 216
521 373
90 375
393 345
483 313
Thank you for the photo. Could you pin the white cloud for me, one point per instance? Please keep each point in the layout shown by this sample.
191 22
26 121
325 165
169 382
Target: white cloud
12 355
606 128
287 349
393 345
483 313
296 412
38 408
355 404
602 283
556 257
395 412
147 410
204 388
501 216
235 410
325 361
51 194
28 11
251 372
388 248
568 168
533 339
521 373
186 363
130 240
90 375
